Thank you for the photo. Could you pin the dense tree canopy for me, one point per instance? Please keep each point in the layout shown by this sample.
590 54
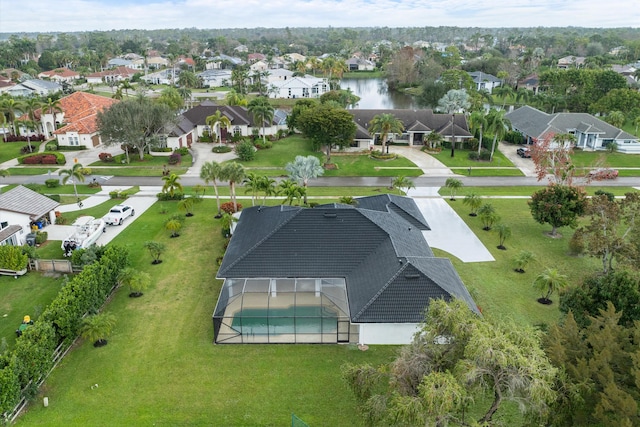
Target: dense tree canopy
138 122
558 206
327 127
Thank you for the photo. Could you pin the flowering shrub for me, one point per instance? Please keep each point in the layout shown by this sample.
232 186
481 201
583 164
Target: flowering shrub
228 207
174 158
106 157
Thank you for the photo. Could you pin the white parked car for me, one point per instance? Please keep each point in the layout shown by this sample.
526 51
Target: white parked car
118 214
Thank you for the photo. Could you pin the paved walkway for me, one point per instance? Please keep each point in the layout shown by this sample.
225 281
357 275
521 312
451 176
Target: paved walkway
201 152
525 165
429 165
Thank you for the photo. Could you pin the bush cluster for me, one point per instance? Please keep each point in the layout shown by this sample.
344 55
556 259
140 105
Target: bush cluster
514 137
245 151
260 145
183 151
52 183
221 149
175 158
484 155
12 258
31 357
106 157
166 196
119 194
46 158
22 138
229 208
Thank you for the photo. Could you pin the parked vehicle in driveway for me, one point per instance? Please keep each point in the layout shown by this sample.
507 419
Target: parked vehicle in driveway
525 153
118 214
603 173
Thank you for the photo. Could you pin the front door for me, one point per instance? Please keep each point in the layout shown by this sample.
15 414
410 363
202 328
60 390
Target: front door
343 330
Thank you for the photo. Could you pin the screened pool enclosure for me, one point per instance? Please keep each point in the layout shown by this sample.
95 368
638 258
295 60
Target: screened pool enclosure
282 310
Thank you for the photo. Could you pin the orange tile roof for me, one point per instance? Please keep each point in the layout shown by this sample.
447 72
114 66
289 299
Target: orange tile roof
80 112
62 72
118 71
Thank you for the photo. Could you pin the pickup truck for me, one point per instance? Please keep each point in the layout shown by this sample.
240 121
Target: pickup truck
118 214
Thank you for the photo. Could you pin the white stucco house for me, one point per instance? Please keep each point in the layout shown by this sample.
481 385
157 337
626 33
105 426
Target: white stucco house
299 87
20 208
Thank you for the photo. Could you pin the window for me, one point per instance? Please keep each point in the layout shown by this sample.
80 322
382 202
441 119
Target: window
236 130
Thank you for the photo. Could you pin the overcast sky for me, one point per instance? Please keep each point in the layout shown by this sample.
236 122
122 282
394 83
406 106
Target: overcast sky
89 15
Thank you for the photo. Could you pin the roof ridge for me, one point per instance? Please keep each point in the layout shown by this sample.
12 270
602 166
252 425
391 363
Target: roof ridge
381 290
259 242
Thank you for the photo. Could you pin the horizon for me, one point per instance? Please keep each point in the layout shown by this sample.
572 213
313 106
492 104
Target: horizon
69 16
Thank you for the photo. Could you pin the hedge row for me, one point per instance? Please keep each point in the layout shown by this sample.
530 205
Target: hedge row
51 158
31 358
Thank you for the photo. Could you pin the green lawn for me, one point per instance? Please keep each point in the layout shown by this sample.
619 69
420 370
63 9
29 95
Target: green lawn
11 150
363 165
487 171
282 152
527 190
34 170
461 159
150 166
28 294
161 366
591 159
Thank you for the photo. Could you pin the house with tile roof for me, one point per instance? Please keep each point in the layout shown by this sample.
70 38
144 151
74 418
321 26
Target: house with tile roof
571 61
417 125
590 132
192 124
20 208
360 64
60 75
331 274
531 82
116 74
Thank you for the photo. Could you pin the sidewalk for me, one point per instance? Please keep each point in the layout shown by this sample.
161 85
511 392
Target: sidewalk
429 165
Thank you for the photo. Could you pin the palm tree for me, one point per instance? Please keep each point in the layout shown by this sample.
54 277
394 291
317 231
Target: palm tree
291 190
155 249
75 174
523 96
262 111
488 216
385 124
174 225
522 260
302 169
227 223
186 205
211 171
217 122
616 118
29 125
235 98
478 122
433 139
252 185
171 184
453 185
453 101
402 182
636 123
30 106
474 202
52 106
505 92
234 173
9 106
504 232
136 280
97 328
268 188
126 85
548 282
498 125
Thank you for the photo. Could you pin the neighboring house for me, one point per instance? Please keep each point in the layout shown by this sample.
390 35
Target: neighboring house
293 57
417 125
20 208
76 125
193 124
279 75
215 78
590 132
571 62
299 87
162 77
35 87
120 62
360 64
241 48
60 75
331 274
531 82
259 66
484 81
5 85
117 74
255 57
222 61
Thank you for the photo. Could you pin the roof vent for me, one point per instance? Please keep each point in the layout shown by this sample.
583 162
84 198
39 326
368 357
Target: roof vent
411 276
330 215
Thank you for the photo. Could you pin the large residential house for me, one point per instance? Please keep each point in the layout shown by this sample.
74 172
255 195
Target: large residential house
215 78
60 75
20 209
193 124
360 64
34 87
571 62
417 125
299 87
331 274
484 81
531 82
222 61
116 75
590 132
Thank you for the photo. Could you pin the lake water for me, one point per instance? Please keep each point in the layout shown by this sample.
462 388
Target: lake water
374 94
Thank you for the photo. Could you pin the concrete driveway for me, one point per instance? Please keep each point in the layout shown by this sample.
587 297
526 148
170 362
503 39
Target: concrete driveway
448 231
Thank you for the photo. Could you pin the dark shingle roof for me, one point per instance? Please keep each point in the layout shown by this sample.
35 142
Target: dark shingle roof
440 123
22 200
371 246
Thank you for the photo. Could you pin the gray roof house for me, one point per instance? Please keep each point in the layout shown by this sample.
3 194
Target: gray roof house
21 207
331 274
417 125
591 133
35 87
192 124
484 81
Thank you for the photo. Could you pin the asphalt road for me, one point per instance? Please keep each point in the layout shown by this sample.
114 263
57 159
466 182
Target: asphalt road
495 181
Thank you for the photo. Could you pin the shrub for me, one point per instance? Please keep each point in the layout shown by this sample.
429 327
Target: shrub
47 158
610 196
26 150
473 155
166 196
514 137
576 243
85 171
260 145
55 197
175 158
41 237
221 149
485 154
245 151
229 208
52 183
51 146
13 258
182 150
106 157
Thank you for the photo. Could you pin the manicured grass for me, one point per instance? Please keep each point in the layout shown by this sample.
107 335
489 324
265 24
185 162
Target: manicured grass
150 166
487 171
51 249
96 211
363 165
11 150
282 152
137 170
160 366
68 189
28 294
499 290
33 170
592 158
526 191
461 159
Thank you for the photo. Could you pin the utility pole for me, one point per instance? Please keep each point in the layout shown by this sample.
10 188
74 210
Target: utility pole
453 137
